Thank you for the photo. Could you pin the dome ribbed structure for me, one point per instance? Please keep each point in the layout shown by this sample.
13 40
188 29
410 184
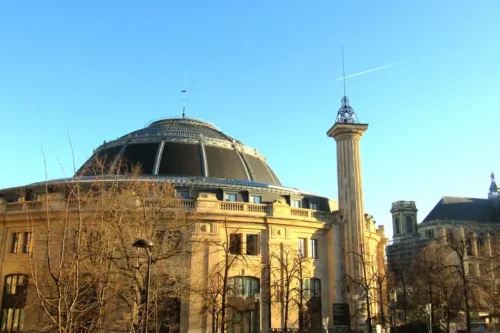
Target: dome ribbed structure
182 147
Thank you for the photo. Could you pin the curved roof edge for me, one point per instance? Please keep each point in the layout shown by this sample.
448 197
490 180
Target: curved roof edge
177 181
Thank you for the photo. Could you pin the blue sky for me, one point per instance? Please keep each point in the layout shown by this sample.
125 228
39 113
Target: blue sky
265 72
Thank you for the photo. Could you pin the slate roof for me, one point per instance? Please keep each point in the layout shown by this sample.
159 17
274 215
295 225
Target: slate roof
182 128
198 182
465 209
182 147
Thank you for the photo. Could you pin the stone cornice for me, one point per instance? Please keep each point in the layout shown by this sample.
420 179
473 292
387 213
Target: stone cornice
342 131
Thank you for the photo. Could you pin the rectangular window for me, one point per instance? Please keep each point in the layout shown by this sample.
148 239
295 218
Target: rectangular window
27 242
183 194
13 303
235 243
230 197
468 245
471 270
295 203
252 245
302 247
16 238
313 206
429 234
256 199
12 320
315 287
172 239
15 284
313 245
449 235
483 270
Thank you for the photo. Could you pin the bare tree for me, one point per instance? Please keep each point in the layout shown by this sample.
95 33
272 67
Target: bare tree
490 271
85 274
369 284
215 296
291 288
463 269
435 283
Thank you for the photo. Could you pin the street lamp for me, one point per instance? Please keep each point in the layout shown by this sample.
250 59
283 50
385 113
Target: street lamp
146 244
428 309
355 298
258 319
325 323
394 298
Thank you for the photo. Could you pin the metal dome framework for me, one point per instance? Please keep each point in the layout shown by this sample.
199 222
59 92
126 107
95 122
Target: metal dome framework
183 147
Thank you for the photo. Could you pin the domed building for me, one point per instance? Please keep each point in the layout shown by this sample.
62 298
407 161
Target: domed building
242 211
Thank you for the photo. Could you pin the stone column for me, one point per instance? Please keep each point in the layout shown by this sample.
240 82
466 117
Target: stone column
337 263
350 194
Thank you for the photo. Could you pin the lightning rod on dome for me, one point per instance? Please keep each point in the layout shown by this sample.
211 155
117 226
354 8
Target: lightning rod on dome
346 113
343 65
184 96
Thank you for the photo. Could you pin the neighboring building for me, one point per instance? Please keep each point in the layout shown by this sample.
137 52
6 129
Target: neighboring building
406 241
230 185
468 225
453 215
474 218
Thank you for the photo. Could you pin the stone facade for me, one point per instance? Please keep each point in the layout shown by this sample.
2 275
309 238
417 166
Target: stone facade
285 226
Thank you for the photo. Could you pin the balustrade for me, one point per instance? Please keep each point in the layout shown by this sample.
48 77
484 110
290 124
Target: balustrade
299 212
188 204
15 206
229 205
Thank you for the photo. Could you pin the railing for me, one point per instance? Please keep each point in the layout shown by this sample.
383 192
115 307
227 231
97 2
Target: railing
188 204
323 216
15 206
299 212
169 203
308 213
255 208
27 205
227 205
403 204
304 330
244 207
75 203
33 205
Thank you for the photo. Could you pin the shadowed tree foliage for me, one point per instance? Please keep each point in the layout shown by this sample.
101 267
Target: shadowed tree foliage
85 274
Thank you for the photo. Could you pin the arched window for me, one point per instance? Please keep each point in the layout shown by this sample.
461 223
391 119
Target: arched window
14 302
409 225
396 225
243 304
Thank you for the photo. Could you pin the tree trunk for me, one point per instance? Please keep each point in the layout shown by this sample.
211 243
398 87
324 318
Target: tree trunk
466 296
447 320
404 301
224 294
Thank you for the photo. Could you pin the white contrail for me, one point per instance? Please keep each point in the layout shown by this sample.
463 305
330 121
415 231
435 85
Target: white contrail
374 69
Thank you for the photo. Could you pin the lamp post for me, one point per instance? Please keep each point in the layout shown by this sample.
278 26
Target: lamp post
325 324
147 245
257 318
428 309
355 298
394 297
